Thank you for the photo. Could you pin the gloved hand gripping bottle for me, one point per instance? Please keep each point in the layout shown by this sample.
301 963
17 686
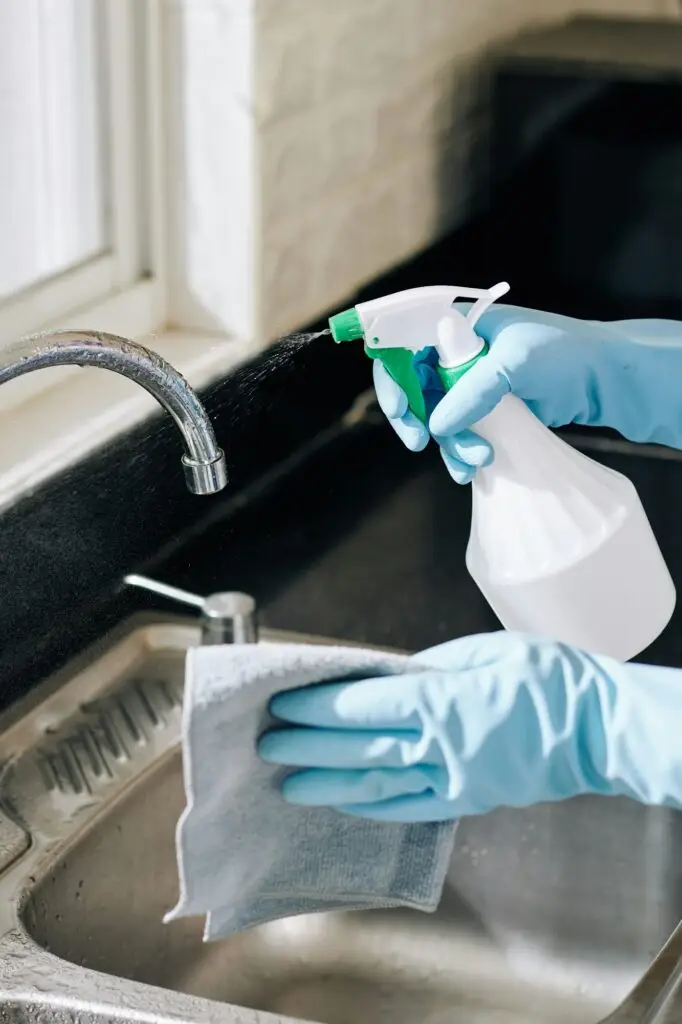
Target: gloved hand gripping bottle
560 545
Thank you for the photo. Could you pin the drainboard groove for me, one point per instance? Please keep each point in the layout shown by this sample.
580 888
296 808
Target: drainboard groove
47 773
96 760
73 756
49 769
110 738
143 708
129 719
77 760
147 704
170 693
66 774
146 700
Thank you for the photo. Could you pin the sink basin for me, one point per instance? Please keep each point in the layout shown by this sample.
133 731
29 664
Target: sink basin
549 915
101 907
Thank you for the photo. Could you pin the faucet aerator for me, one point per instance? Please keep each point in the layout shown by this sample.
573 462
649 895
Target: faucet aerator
205 477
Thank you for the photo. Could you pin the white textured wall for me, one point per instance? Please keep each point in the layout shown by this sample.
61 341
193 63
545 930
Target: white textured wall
359 105
316 143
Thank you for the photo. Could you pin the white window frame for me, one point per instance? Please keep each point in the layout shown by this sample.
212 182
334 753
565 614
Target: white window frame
195 303
121 290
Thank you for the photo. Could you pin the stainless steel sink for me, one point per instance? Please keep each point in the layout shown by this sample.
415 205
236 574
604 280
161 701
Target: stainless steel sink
549 915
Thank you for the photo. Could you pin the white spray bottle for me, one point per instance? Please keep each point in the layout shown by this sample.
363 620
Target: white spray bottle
560 545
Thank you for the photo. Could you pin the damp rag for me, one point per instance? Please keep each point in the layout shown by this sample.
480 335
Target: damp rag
245 857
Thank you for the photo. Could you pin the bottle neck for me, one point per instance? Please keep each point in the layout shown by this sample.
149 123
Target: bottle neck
450 375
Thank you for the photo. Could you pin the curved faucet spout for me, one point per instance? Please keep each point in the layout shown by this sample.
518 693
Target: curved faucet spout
203 461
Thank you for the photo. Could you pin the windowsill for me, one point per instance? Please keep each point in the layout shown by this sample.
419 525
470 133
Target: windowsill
49 432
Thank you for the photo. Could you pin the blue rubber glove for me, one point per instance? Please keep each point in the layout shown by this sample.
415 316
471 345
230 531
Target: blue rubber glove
497 720
624 375
463 452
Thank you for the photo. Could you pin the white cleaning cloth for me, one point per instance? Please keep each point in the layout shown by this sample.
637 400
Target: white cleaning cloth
244 855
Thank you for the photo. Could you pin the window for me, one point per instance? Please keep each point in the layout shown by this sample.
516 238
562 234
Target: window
77 165
126 198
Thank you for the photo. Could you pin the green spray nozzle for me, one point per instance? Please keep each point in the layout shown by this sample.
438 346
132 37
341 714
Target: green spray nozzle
347 325
398 362
397 327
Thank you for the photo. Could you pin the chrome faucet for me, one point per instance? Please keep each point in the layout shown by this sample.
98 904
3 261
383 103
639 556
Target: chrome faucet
203 462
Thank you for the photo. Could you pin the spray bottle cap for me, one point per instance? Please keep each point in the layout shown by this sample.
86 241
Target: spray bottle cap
346 326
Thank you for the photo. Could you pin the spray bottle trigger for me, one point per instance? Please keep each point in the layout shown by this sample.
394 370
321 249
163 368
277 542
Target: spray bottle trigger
485 300
399 364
